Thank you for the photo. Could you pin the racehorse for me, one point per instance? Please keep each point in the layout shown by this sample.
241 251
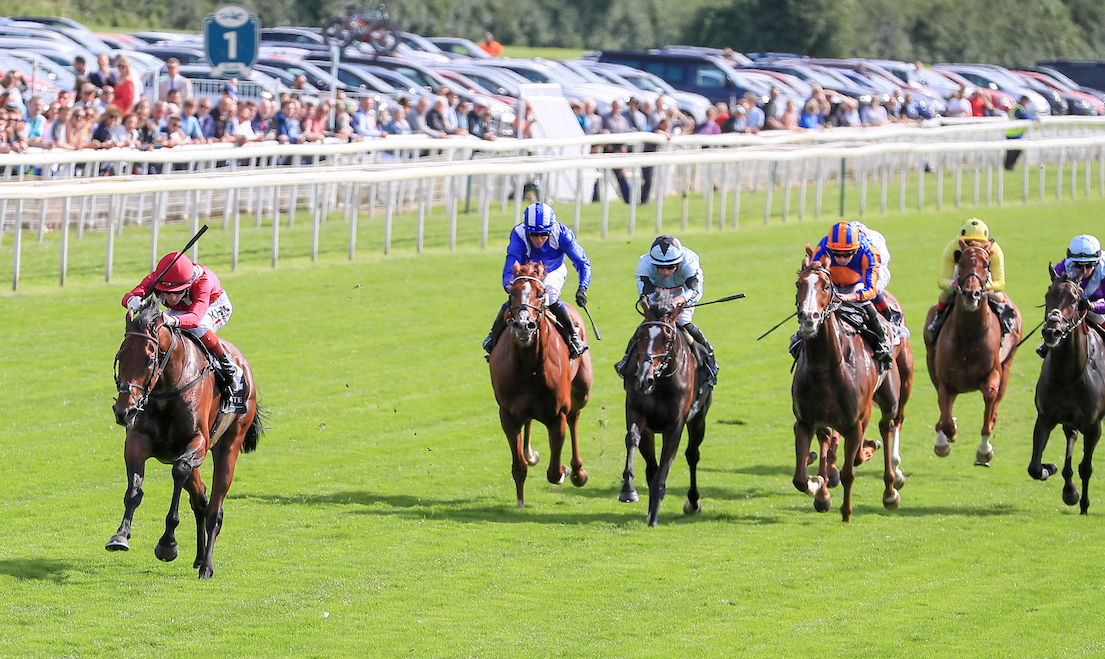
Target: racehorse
836 379
662 394
533 378
1071 388
970 353
169 403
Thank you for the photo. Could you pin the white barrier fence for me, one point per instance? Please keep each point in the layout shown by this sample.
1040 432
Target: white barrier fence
414 173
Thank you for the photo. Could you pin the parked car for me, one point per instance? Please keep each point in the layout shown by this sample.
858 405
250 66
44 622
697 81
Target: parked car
1078 103
296 36
459 46
1083 72
502 82
315 75
1070 83
996 78
699 71
689 103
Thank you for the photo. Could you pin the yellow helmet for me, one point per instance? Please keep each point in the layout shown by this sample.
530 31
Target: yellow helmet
974 229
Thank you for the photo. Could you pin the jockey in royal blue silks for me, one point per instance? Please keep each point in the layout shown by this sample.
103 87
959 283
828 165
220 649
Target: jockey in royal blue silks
540 238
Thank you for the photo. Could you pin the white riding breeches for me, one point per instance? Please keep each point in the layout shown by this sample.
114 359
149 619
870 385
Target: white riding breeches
554 282
217 314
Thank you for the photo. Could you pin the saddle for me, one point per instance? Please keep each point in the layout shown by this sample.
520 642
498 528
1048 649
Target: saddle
706 377
856 318
1006 316
229 404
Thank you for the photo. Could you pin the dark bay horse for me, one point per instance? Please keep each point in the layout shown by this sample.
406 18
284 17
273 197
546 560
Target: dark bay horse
169 403
533 378
836 380
1071 388
970 353
662 386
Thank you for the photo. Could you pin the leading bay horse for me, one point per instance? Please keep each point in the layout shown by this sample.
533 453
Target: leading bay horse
533 378
836 380
662 394
970 353
169 403
1071 388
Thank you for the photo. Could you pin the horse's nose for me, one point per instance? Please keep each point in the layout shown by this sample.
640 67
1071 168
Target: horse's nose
976 295
531 326
124 414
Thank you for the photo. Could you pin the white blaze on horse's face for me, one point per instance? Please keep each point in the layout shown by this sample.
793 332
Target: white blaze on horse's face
647 371
809 315
525 327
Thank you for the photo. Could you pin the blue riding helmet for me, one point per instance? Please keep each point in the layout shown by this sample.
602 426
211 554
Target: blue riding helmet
539 218
666 251
1084 249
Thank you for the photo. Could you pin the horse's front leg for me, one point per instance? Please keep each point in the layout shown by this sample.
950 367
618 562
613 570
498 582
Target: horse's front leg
1070 492
530 453
558 427
197 497
135 453
696 432
518 464
945 427
579 474
991 396
803 435
828 440
1040 434
633 425
657 486
853 438
1085 468
226 457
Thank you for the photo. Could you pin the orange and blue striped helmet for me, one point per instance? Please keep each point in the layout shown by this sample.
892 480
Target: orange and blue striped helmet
843 237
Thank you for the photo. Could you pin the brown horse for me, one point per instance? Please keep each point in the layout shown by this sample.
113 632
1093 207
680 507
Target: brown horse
970 353
169 403
662 394
1071 388
533 378
836 379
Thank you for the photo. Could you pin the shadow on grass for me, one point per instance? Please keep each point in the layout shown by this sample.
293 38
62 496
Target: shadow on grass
754 470
399 501
41 569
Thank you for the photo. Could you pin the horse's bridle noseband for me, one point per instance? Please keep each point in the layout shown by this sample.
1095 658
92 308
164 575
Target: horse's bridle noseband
835 301
963 277
1066 325
540 311
158 367
662 360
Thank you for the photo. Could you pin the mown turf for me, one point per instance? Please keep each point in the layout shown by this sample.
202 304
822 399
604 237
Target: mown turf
377 516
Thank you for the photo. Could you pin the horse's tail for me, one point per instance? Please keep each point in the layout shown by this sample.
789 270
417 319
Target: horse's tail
256 429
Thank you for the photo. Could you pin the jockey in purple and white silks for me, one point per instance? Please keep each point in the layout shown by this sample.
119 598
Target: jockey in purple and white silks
540 238
1086 265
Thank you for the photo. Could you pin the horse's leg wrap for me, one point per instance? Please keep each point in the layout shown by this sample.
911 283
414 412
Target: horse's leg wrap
497 329
576 346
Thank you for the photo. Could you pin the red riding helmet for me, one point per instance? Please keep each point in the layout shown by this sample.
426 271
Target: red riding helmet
176 278
843 237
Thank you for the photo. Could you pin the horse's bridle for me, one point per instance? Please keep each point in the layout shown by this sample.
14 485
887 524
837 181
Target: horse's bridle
157 368
662 361
963 277
835 301
1066 325
540 311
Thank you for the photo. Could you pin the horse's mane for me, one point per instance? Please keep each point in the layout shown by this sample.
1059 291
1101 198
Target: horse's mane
661 303
147 314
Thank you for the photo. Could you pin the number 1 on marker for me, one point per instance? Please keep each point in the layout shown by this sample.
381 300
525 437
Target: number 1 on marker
231 44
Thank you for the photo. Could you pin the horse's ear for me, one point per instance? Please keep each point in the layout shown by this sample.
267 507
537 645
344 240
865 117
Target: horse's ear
130 315
516 268
809 251
955 256
540 274
962 244
826 261
1051 271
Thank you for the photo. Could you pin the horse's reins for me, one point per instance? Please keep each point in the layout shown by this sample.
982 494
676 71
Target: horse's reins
161 362
1066 326
649 357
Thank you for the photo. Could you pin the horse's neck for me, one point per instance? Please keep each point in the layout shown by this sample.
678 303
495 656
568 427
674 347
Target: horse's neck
180 362
1068 357
527 359
824 351
971 323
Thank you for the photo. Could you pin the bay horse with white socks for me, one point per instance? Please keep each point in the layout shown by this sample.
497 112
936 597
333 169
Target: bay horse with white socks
970 353
836 380
534 378
663 393
169 402
1071 388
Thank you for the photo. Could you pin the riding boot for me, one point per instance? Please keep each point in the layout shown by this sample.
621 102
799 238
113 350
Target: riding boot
710 362
1041 350
883 349
619 368
795 348
497 329
576 346
933 330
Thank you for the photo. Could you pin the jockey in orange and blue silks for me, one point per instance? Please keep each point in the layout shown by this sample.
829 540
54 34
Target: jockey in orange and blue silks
859 269
540 238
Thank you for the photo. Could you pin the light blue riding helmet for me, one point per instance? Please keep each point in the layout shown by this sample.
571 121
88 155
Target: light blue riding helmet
539 218
1084 249
666 251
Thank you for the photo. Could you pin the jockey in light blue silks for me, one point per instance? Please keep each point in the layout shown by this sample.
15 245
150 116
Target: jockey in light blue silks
540 238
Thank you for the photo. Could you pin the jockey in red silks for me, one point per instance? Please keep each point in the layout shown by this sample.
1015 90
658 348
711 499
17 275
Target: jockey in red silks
196 303
859 269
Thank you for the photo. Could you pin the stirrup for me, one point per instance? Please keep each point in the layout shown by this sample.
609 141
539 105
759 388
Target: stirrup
488 344
1041 350
576 347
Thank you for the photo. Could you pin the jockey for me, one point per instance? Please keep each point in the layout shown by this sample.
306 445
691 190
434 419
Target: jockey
1085 264
197 304
973 230
668 264
859 269
540 238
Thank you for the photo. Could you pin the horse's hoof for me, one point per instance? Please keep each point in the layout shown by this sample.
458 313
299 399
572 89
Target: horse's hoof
691 508
652 520
892 502
899 479
942 450
823 506
206 573
521 504
556 479
117 543
983 460
834 478
1048 470
533 458
579 478
628 496
811 458
1071 496
167 553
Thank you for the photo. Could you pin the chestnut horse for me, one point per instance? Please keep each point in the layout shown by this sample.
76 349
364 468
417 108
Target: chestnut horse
970 353
1071 388
533 378
169 403
662 395
836 379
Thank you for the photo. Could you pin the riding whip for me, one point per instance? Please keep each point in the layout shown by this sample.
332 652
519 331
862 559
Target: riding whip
598 337
1031 333
724 299
179 254
777 326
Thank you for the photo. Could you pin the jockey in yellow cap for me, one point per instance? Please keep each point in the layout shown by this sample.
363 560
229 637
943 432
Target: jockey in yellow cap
973 230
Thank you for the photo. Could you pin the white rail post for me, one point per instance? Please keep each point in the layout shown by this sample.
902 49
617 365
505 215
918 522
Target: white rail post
805 175
316 220
862 166
822 173
605 183
356 194
155 222
770 191
786 191
921 164
275 227
109 259
939 181
1041 173
421 213
65 238
1059 175
17 247
235 239
485 208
